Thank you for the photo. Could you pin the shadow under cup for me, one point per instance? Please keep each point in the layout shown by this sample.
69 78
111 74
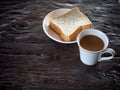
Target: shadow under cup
91 57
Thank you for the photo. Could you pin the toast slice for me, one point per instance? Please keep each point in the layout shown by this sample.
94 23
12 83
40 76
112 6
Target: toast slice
69 24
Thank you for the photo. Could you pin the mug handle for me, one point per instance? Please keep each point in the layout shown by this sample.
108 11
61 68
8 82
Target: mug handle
110 51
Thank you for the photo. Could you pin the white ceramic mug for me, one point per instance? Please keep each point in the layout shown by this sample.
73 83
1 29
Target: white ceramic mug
92 57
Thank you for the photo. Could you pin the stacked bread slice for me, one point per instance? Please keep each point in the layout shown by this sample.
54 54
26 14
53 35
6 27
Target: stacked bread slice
70 24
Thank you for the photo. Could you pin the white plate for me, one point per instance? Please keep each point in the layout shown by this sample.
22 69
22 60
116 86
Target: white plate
50 33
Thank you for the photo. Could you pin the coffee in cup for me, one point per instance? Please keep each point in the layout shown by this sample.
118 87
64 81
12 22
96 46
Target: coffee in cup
92 43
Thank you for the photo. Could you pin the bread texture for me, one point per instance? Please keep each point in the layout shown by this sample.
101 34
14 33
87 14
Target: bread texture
70 24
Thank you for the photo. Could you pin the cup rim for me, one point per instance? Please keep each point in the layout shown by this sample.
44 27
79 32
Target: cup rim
105 46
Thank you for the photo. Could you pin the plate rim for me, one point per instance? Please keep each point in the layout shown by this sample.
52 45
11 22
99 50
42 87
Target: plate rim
45 31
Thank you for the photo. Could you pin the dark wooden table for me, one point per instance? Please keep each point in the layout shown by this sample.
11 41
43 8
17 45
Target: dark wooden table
29 60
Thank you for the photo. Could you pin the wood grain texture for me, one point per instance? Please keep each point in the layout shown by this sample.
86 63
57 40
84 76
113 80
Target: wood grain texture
29 60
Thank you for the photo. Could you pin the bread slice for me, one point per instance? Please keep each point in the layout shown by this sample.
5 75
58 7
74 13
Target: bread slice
69 24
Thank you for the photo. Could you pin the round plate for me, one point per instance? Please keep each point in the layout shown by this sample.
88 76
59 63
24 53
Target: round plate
50 33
